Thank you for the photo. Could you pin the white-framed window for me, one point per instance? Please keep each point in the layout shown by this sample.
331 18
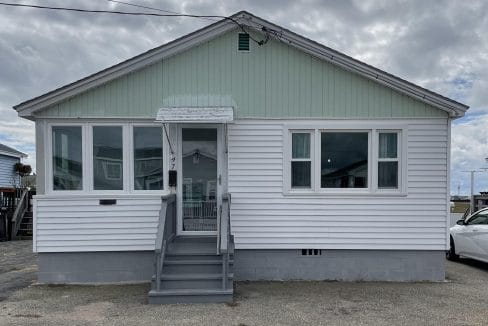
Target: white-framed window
301 160
66 157
389 163
344 161
147 158
96 157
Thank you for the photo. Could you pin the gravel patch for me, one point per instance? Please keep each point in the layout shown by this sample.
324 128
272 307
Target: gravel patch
18 266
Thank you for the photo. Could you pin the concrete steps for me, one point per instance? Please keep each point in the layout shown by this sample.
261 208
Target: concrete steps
192 273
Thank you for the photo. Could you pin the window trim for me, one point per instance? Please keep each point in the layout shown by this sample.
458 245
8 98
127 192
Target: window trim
373 128
87 158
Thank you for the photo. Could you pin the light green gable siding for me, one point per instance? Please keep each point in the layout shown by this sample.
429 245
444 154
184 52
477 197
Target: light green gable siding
271 81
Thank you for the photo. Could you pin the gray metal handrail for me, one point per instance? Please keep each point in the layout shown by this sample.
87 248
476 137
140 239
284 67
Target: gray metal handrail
166 232
223 238
19 212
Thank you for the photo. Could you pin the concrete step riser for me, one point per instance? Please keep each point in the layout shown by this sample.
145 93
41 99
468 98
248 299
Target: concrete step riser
192 284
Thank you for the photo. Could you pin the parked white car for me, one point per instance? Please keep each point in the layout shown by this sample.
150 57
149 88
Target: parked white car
469 237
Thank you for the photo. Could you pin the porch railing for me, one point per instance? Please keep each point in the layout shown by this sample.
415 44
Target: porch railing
224 237
166 232
19 212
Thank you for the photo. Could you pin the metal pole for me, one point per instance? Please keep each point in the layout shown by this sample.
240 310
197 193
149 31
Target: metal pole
471 202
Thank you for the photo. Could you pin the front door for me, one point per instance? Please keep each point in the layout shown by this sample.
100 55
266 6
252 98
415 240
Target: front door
199 190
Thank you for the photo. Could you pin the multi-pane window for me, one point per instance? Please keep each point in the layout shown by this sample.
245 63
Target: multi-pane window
301 163
148 158
344 160
106 166
108 163
388 160
67 158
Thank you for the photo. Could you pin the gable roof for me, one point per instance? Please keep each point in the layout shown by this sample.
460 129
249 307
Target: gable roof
248 20
9 151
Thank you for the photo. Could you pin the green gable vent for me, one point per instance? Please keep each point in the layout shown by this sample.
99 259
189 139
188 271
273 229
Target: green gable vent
243 42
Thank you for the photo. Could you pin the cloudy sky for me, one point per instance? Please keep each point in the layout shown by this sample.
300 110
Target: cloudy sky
440 45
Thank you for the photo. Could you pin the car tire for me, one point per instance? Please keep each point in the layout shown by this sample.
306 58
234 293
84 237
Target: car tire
451 254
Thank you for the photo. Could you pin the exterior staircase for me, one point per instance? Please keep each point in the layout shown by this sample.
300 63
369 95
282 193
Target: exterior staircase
193 272
25 230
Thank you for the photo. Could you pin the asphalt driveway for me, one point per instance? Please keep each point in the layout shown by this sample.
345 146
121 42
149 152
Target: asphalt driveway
461 300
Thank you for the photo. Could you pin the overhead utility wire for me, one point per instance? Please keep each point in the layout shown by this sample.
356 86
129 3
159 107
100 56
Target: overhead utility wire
152 8
134 14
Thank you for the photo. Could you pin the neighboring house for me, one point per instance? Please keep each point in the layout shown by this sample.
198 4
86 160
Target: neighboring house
8 158
336 169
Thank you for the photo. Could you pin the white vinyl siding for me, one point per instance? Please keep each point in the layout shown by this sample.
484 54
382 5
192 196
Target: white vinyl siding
264 217
67 224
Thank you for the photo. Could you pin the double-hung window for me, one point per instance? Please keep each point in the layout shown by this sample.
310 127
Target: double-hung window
344 161
388 160
301 161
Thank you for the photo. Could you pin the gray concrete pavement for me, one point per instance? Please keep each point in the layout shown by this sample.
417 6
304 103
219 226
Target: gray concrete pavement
461 300
18 266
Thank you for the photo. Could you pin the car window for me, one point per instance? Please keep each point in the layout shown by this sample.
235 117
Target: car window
480 218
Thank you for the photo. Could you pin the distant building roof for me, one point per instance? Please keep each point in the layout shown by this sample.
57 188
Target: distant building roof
9 151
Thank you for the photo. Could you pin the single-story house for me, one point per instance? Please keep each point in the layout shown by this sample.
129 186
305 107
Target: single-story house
241 151
8 158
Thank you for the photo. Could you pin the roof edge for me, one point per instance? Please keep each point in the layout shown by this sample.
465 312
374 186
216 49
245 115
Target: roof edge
19 155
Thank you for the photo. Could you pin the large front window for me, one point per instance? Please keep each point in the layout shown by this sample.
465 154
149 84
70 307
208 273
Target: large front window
344 160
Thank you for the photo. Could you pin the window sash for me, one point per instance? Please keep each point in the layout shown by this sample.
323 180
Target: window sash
308 181
386 159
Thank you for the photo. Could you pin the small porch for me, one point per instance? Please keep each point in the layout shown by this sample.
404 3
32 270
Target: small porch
192 268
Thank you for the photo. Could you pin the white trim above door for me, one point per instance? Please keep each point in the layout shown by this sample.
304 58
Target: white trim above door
200 208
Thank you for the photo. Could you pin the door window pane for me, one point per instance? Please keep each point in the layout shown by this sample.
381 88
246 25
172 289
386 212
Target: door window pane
199 175
107 158
148 158
388 145
300 145
300 174
67 158
344 160
387 174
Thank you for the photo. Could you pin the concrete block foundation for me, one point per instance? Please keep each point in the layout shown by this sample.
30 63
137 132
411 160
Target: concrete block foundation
253 265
